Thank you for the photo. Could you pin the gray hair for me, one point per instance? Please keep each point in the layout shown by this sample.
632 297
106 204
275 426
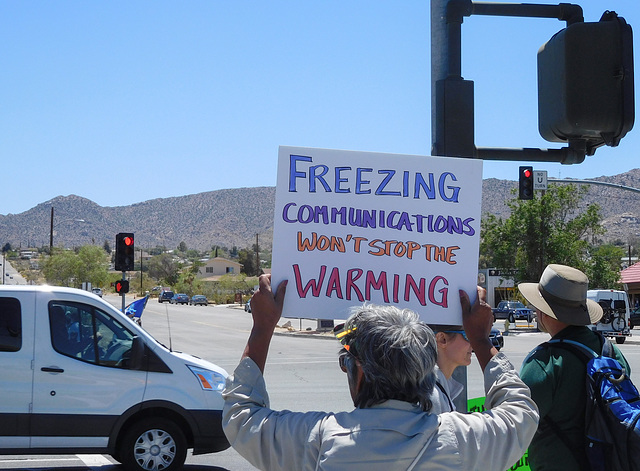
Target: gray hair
397 353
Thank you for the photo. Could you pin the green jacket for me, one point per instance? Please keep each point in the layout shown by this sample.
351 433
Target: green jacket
556 378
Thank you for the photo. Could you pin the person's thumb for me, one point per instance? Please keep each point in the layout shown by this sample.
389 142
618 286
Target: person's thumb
464 301
280 292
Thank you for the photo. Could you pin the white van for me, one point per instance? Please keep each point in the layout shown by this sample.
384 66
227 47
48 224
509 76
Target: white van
78 376
615 320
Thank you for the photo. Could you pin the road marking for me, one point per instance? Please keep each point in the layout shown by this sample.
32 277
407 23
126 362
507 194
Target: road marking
36 460
94 460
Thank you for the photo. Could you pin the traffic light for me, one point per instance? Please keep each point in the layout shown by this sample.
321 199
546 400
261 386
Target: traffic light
122 286
585 84
124 251
525 183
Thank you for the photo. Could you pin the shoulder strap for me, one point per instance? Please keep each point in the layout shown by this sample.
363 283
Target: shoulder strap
576 348
444 391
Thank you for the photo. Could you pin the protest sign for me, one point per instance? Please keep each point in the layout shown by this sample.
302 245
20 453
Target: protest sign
354 227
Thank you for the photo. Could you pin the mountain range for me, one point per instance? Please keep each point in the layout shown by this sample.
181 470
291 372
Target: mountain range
235 217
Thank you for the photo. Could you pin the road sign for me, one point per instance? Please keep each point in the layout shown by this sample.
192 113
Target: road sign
539 179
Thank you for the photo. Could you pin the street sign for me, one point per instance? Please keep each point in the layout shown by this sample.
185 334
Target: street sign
539 179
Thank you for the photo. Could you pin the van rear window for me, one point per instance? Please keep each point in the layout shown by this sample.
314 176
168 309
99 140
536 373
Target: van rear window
10 325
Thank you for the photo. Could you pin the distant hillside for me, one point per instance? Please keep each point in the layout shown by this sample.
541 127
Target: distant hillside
223 217
234 217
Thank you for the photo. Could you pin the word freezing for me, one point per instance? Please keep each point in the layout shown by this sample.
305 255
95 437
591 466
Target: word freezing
365 181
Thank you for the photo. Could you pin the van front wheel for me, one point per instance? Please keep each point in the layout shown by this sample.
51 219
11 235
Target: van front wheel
153 445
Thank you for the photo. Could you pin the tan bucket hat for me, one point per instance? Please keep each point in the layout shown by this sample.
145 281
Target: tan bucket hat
562 294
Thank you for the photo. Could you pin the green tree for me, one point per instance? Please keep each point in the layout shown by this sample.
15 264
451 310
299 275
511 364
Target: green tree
248 260
61 269
551 228
604 270
93 266
71 268
182 247
164 268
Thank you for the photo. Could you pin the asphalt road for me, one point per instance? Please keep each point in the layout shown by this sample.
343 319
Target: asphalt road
10 275
302 371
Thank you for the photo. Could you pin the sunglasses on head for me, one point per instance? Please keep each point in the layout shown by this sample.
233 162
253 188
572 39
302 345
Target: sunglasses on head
461 332
345 335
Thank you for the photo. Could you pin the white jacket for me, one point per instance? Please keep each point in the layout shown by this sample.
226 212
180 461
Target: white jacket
388 436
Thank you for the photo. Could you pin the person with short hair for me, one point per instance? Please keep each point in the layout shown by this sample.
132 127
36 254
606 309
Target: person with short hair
389 357
557 376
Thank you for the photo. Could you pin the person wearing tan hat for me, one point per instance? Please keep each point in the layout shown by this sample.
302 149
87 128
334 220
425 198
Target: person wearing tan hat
556 376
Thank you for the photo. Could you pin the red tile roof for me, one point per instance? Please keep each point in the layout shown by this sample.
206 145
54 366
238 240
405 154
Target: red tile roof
631 274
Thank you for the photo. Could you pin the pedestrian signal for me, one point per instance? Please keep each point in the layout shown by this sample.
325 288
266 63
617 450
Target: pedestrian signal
586 85
122 286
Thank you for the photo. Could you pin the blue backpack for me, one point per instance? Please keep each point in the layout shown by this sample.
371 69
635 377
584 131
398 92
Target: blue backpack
612 427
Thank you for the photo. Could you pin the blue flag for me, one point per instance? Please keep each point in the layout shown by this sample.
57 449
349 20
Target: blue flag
135 308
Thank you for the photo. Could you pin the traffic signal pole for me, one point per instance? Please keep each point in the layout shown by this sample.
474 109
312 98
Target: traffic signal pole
124 277
452 108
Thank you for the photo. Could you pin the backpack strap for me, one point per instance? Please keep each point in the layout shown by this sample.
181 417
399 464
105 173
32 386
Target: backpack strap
585 354
578 455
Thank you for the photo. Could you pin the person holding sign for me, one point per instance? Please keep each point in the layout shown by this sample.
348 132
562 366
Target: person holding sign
389 357
454 350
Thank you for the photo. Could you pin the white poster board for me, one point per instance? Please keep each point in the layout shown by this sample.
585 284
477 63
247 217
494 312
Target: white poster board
354 227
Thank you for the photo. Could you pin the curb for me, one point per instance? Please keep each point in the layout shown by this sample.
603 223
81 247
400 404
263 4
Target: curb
313 334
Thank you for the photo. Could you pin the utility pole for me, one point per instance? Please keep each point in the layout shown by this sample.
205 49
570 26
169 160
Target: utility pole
257 257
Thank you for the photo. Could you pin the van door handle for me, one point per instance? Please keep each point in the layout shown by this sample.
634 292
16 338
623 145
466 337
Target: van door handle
52 369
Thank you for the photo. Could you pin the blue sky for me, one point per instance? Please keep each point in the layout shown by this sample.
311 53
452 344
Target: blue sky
197 96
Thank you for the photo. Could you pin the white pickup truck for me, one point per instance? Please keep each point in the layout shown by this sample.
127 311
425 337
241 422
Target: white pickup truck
78 376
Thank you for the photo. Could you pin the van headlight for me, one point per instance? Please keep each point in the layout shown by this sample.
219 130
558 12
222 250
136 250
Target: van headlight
209 380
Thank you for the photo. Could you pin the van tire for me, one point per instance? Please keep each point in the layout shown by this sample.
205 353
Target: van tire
620 340
153 442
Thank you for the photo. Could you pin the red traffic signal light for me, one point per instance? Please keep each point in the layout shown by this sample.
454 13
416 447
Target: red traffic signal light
122 286
124 251
525 183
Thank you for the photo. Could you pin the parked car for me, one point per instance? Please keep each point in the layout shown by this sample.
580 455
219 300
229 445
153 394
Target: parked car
198 299
247 306
180 298
512 310
634 318
496 338
97 291
165 295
